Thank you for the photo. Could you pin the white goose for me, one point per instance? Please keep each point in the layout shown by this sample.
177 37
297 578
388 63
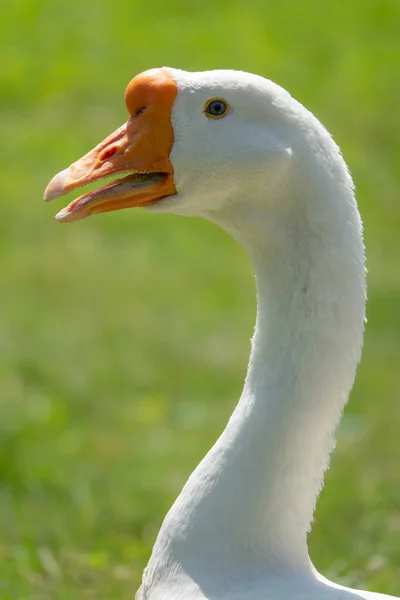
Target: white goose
240 151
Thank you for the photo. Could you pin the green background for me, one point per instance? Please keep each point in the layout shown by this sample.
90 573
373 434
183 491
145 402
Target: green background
124 338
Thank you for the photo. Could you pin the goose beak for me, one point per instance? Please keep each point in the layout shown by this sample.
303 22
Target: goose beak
139 150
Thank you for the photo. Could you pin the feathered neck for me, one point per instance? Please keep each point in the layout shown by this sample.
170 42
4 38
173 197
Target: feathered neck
250 502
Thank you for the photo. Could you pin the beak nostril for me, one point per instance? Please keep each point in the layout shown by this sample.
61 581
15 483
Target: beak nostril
107 154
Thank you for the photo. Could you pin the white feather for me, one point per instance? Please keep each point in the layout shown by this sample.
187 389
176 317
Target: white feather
269 174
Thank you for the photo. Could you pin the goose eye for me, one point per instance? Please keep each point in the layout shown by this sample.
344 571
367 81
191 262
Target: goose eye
216 108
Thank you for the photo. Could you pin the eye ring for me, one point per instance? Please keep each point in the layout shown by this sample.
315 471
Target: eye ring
216 108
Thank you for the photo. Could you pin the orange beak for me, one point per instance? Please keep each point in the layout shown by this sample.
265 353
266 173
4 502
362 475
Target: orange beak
139 149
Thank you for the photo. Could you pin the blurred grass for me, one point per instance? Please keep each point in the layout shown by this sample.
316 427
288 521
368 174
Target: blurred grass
124 338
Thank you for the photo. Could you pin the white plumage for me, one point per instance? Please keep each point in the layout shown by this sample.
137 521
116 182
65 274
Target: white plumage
268 173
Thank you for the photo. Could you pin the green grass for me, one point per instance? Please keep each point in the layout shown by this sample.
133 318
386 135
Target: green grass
124 338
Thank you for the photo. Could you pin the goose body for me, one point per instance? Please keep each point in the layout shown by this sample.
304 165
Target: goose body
238 150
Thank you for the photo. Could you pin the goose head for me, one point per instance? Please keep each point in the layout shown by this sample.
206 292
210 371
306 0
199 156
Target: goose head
207 144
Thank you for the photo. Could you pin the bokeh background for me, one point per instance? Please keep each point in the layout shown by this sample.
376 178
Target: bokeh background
124 338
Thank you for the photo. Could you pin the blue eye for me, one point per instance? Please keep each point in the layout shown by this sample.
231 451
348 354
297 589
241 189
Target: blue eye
216 108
